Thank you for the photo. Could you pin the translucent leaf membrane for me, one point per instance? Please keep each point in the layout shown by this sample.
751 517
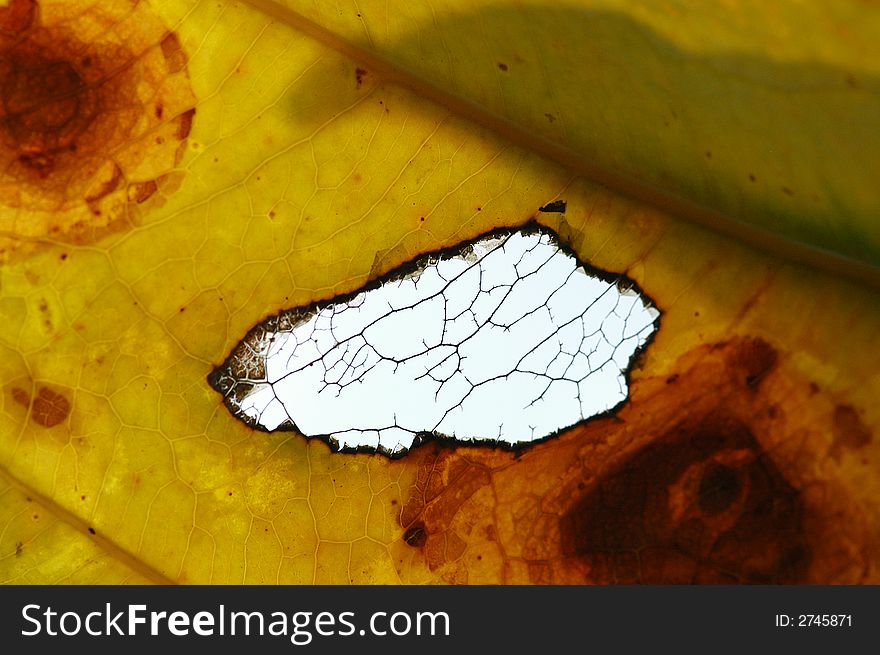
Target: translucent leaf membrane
507 339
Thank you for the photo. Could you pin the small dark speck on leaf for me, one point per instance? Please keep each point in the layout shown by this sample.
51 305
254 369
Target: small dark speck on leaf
359 75
550 117
91 530
787 191
752 177
555 206
502 66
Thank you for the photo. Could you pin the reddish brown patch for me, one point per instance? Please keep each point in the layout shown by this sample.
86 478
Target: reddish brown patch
184 126
173 52
359 74
107 187
49 408
502 66
755 358
17 16
444 484
702 504
142 191
21 396
74 119
850 433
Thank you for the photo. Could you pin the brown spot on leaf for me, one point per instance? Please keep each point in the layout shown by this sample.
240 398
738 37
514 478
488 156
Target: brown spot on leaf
185 122
107 186
49 408
78 115
359 74
173 52
21 396
17 16
702 504
755 358
140 192
416 535
18 548
502 66
720 486
850 433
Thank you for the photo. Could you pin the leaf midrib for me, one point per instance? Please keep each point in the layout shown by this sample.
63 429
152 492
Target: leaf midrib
625 185
114 550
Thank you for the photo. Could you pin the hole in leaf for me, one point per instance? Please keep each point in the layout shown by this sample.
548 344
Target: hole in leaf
504 340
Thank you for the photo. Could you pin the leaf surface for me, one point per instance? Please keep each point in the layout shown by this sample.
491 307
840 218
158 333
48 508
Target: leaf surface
312 166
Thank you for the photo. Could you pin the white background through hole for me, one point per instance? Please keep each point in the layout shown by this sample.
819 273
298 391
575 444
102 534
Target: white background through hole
509 340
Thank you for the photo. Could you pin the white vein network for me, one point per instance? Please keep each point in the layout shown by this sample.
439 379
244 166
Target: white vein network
507 339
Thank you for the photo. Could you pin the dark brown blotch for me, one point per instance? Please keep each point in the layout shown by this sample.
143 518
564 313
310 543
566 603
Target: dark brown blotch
702 504
720 486
49 408
140 192
184 126
173 52
850 433
416 535
755 359
18 16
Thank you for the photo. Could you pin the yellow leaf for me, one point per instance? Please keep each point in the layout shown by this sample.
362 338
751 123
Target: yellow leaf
297 156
